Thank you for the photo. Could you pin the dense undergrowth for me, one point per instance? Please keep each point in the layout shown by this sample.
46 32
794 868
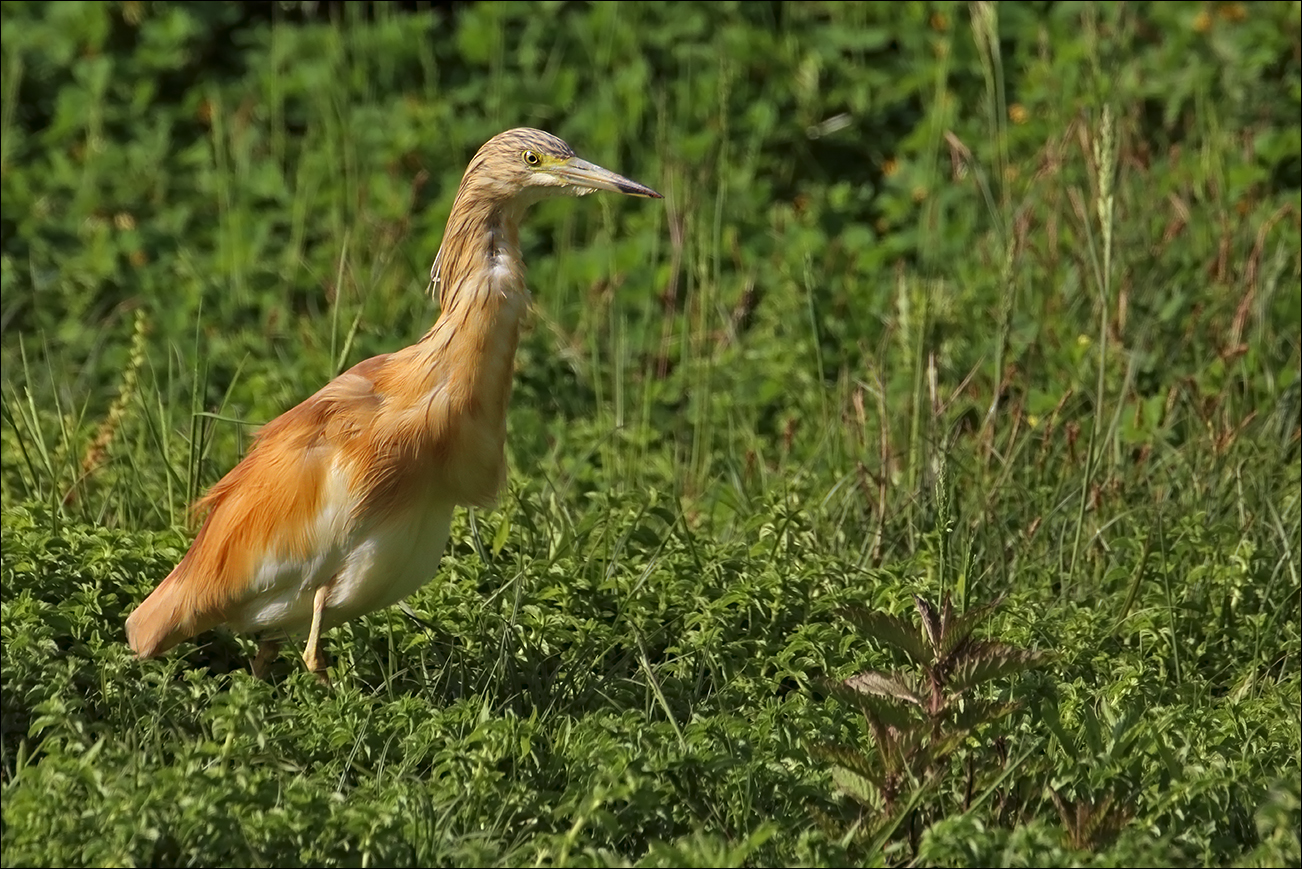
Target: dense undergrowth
966 300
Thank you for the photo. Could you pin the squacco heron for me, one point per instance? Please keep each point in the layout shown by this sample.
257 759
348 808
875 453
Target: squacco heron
343 504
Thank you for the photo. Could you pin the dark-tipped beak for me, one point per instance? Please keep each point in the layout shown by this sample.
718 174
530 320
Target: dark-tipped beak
590 176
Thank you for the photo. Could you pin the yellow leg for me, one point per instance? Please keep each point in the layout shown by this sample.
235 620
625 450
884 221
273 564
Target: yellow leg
267 652
312 655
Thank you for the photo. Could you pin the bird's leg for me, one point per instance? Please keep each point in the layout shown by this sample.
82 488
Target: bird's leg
312 655
268 650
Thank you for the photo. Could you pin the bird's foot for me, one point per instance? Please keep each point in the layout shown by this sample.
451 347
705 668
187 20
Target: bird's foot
317 664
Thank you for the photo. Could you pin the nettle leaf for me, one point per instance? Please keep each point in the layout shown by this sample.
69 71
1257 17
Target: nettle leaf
898 719
897 685
855 761
942 746
881 712
931 621
912 750
959 628
976 713
986 660
857 787
1089 823
891 630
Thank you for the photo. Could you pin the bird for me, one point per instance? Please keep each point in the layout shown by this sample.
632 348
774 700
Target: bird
343 504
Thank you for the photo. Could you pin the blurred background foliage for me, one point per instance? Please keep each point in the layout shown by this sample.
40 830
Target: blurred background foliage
267 185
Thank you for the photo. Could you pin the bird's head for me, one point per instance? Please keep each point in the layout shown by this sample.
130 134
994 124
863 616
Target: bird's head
509 173
526 164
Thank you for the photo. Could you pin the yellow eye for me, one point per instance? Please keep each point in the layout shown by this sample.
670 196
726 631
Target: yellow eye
530 157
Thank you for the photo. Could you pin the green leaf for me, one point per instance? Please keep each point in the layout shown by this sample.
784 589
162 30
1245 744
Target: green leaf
897 685
977 713
931 623
502 534
959 628
881 712
986 660
851 759
891 630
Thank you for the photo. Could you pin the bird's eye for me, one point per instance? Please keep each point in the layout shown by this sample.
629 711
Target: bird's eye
530 157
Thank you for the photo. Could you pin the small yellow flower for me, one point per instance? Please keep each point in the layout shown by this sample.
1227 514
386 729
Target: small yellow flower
1018 114
1083 340
1032 420
1202 22
890 167
939 21
919 193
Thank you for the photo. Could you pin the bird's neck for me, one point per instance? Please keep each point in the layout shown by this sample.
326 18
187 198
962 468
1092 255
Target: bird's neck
479 261
484 300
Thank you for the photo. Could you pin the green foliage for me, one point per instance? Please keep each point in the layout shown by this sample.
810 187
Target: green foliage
920 718
945 301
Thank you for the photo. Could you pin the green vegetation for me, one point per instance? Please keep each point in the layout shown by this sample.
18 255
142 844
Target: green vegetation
965 302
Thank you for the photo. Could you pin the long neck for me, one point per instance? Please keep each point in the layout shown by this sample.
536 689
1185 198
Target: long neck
483 301
481 238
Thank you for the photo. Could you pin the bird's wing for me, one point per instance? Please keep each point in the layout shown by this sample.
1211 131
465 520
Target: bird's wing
286 502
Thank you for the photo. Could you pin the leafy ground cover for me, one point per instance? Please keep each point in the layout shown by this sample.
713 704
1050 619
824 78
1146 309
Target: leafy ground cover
972 302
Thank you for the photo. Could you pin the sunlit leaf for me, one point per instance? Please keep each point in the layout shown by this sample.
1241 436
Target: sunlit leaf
891 630
986 660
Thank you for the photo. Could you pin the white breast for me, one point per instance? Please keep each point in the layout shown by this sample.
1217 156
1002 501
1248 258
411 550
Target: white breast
390 561
373 566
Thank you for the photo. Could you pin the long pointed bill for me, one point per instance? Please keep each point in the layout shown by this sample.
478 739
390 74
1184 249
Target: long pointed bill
590 176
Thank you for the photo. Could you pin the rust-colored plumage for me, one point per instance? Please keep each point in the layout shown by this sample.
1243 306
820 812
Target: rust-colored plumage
344 502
